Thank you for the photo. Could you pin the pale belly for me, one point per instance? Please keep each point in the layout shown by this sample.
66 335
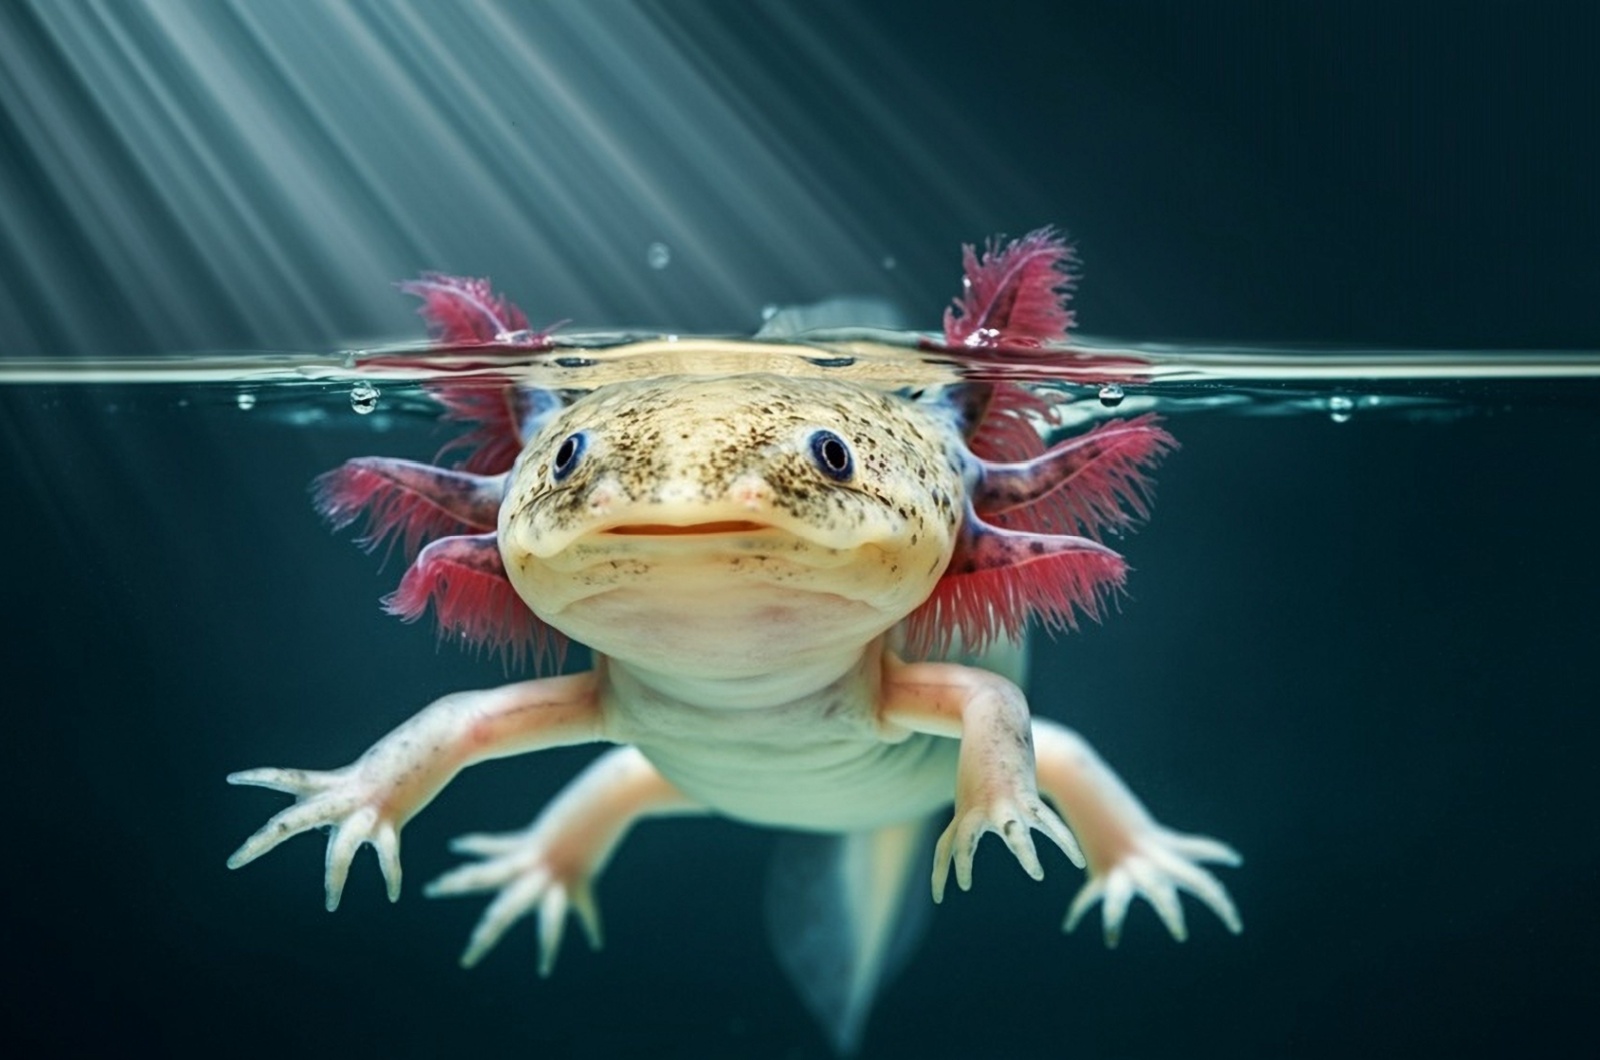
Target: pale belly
753 750
843 786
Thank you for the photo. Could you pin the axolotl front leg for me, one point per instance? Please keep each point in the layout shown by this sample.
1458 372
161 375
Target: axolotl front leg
996 790
368 801
1006 757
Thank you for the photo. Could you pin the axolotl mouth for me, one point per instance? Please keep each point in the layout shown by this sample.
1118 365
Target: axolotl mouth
702 546
650 533
721 526
703 539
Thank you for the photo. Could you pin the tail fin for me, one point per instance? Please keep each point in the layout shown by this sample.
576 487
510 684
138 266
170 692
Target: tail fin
844 913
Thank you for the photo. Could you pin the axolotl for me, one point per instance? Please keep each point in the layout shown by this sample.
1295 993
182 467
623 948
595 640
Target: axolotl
804 597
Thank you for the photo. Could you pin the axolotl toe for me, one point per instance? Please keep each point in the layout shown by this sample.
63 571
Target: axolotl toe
774 571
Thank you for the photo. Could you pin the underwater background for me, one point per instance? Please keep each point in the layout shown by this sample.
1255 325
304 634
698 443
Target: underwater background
1360 648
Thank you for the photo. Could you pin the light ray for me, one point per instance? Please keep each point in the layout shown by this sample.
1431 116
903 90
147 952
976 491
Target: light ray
251 173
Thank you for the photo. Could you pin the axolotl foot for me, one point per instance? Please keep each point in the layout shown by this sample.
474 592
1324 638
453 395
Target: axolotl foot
550 867
1129 852
523 868
356 804
1157 865
1013 815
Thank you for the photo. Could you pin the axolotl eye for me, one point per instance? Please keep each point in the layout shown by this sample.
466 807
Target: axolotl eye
567 454
832 456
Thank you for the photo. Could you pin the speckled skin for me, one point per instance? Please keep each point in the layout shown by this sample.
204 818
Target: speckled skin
833 565
740 597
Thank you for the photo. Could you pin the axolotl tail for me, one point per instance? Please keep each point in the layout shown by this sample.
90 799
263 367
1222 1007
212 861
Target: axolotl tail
844 913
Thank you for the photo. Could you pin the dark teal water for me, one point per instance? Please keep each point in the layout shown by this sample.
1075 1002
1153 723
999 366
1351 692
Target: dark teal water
1357 651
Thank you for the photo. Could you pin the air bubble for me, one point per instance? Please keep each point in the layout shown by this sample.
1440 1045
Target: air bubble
658 255
1339 408
363 397
1111 395
246 400
889 264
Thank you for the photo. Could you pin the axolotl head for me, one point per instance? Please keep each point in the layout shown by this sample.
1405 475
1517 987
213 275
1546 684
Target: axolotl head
733 523
749 523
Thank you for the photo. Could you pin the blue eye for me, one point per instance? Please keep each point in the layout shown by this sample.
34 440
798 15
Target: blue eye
832 456
567 455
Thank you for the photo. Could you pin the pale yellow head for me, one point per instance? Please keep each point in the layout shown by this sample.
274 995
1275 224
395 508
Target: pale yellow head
733 524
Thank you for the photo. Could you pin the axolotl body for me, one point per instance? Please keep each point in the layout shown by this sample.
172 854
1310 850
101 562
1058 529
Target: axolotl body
774 572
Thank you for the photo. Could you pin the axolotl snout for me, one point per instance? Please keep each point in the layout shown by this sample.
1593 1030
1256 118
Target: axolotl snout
753 558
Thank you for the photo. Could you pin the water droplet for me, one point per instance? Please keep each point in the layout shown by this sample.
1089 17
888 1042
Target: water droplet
246 400
1111 395
889 263
769 311
658 255
1339 408
363 397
